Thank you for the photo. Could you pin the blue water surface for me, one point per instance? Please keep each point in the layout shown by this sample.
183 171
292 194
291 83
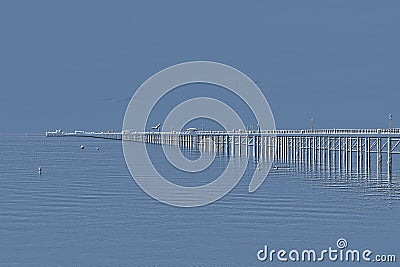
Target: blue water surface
85 209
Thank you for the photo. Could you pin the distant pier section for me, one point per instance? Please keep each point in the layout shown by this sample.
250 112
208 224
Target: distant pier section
103 135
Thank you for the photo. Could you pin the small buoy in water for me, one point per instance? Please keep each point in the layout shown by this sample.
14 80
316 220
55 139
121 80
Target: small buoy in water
82 147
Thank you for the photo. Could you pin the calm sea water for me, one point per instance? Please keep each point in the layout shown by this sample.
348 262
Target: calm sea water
86 210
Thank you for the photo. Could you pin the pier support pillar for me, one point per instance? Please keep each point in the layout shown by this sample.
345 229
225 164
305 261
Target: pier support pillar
389 157
351 155
378 155
366 155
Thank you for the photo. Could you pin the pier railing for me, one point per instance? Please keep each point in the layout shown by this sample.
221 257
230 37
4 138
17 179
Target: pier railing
395 131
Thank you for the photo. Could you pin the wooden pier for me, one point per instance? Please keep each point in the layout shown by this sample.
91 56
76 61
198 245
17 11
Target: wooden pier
357 150
344 150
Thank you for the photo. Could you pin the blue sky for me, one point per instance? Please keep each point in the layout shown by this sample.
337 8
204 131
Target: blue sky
75 64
